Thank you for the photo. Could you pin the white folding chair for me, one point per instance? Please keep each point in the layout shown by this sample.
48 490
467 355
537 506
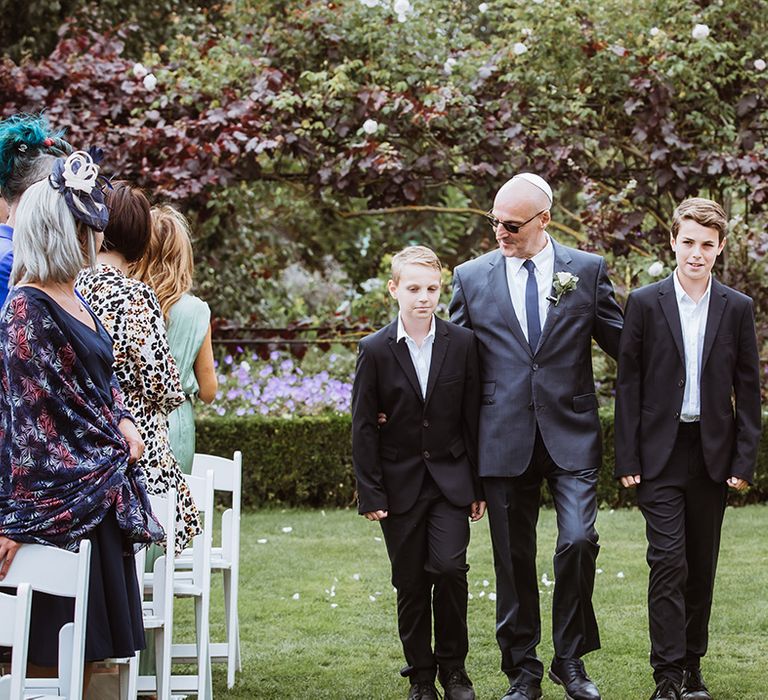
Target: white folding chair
196 583
14 633
226 558
34 564
157 611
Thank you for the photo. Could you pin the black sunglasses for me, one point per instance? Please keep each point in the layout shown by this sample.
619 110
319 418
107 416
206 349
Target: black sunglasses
508 225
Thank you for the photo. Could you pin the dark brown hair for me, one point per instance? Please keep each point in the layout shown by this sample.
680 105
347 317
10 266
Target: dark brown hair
704 212
130 224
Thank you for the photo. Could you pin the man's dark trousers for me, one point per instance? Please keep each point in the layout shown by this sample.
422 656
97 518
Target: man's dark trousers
513 508
683 510
427 546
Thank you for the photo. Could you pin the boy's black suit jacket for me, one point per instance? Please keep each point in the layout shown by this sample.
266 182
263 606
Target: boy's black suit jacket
437 434
651 382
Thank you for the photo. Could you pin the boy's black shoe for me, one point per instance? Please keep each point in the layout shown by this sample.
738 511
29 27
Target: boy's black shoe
693 687
523 691
457 685
666 690
570 673
422 690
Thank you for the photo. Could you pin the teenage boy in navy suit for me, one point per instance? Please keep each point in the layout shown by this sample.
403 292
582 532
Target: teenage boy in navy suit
687 428
416 470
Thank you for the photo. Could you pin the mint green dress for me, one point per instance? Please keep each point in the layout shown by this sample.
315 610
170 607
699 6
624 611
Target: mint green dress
188 322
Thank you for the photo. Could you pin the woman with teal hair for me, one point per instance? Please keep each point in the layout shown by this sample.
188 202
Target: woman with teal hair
28 150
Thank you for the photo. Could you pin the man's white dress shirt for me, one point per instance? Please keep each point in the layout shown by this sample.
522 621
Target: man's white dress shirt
420 356
693 320
517 279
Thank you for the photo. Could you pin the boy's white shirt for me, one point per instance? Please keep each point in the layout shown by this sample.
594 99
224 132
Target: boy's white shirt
420 356
693 320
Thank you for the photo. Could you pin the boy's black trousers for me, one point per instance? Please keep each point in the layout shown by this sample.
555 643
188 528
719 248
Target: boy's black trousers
427 548
683 510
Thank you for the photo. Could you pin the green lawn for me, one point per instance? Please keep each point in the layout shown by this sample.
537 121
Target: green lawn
317 610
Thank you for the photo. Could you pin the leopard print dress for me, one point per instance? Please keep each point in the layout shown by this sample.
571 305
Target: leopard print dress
144 366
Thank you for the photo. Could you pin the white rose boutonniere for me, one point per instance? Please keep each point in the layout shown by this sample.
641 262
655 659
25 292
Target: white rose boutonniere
562 283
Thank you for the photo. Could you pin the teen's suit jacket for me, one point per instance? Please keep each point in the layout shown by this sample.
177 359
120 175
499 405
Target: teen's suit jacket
551 387
437 434
651 383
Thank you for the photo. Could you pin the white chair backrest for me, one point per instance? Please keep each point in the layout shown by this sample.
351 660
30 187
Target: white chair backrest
164 508
201 489
14 632
63 573
227 477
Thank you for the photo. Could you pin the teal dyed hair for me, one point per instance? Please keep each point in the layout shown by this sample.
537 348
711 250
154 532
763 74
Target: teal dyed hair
24 137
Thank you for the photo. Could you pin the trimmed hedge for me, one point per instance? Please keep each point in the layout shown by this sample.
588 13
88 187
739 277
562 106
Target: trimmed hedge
308 461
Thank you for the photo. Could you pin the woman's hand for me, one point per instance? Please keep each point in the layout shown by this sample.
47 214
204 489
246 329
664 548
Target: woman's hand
8 549
132 437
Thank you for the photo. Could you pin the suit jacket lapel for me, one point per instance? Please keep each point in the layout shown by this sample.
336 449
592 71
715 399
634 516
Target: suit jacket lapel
563 262
403 356
497 281
717 303
668 303
439 350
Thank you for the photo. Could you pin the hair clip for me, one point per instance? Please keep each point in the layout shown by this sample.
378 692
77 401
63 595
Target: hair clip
22 147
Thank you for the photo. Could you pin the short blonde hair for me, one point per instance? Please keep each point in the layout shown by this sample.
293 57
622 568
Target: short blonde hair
414 255
49 245
168 262
704 212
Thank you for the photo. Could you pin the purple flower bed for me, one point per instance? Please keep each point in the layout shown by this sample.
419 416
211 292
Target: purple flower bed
279 386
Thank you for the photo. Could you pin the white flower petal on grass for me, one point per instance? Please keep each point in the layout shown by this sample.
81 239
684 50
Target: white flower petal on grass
654 31
450 62
470 596
262 540
296 596
377 539
481 594
491 596
519 48
655 269
334 605
620 574
483 7
150 82
356 577
401 7
372 598
485 72
139 71
599 571
700 31
370 3
287 529
545 580
370 126
377 593
759 64
486 583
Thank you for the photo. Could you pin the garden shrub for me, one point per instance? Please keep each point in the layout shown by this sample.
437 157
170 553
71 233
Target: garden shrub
307 461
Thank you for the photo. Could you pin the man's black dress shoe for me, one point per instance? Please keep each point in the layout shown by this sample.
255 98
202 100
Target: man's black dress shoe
523 691
693 687
666 690
422 690
457 685
571 675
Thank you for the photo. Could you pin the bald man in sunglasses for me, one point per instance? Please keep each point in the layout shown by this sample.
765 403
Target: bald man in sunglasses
535 306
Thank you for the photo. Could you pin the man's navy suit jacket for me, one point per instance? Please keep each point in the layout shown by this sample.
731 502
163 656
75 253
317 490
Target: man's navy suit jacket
436 434
551 387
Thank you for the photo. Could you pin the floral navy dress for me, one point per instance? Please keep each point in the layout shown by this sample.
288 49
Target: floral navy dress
64 472
148 377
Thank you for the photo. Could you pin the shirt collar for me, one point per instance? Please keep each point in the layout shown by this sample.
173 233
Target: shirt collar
682 295
543 257
401 332
6 232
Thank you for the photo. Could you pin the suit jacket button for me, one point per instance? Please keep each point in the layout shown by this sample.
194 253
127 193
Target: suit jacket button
681 382
426 423
677 415
535 366
426 454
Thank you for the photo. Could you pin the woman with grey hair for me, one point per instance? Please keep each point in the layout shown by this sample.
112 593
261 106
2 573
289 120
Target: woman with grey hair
69 445
28 150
